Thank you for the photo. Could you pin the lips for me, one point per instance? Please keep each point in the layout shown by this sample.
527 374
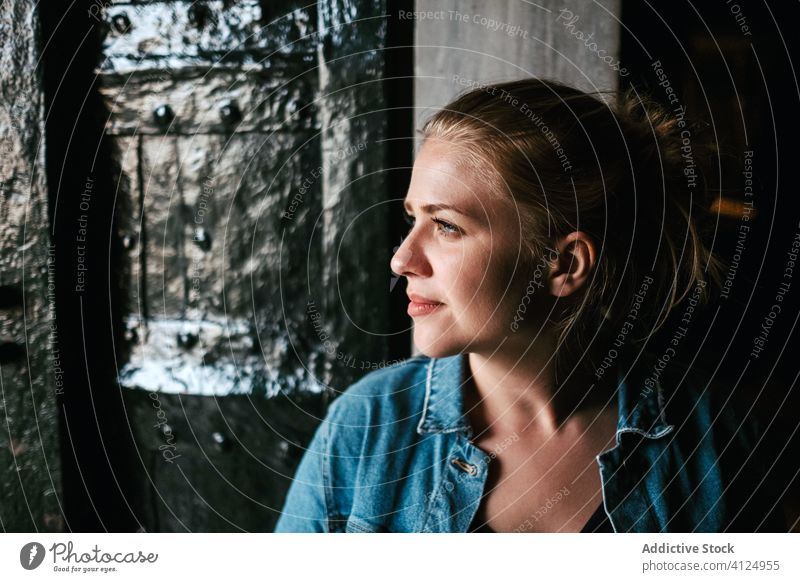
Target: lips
421 305
416 298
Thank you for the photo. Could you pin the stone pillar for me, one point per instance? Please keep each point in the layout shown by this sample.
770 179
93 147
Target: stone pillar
567 40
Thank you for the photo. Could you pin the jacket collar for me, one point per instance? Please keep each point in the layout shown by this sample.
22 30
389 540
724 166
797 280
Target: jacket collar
640 402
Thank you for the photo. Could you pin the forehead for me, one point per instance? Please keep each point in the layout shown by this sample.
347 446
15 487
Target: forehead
442 175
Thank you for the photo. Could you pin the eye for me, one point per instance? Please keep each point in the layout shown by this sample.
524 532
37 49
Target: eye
446 228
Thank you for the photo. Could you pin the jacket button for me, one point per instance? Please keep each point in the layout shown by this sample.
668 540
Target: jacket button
464 466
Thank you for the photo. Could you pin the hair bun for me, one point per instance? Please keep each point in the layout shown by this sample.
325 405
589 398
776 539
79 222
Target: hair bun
653 131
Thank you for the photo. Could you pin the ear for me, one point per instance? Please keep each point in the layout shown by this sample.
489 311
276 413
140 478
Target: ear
570 270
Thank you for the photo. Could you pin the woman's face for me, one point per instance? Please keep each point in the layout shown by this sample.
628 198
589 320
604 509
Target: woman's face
463 254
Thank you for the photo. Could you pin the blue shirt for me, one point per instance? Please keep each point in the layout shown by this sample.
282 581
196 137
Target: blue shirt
394 454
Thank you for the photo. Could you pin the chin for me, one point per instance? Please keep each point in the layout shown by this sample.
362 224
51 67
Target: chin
439 346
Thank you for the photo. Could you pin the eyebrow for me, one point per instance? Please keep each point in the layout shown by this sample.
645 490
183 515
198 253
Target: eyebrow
430 208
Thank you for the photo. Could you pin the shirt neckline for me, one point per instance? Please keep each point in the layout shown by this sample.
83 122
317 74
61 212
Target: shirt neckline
640 399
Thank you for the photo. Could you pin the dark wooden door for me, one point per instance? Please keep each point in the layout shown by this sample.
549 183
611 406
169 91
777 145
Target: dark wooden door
250 136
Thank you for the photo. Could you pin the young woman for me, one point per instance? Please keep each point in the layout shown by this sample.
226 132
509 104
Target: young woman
550 235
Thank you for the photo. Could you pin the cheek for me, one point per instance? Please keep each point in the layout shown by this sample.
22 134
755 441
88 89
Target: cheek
491 286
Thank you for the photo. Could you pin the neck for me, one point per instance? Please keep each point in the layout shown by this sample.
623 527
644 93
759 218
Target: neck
515 390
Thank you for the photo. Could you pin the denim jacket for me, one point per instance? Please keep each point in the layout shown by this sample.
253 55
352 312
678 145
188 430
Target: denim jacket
394 454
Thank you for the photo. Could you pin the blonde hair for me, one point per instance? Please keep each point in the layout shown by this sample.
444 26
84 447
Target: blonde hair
617 172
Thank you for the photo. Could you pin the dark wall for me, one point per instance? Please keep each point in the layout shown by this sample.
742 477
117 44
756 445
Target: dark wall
730 65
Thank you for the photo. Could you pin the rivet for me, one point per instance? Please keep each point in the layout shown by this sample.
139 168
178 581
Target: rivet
121 23
221 440
198 15
163 115
202 239
187 340
229 112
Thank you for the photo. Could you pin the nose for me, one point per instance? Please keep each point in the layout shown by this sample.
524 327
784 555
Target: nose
408 260
401 259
